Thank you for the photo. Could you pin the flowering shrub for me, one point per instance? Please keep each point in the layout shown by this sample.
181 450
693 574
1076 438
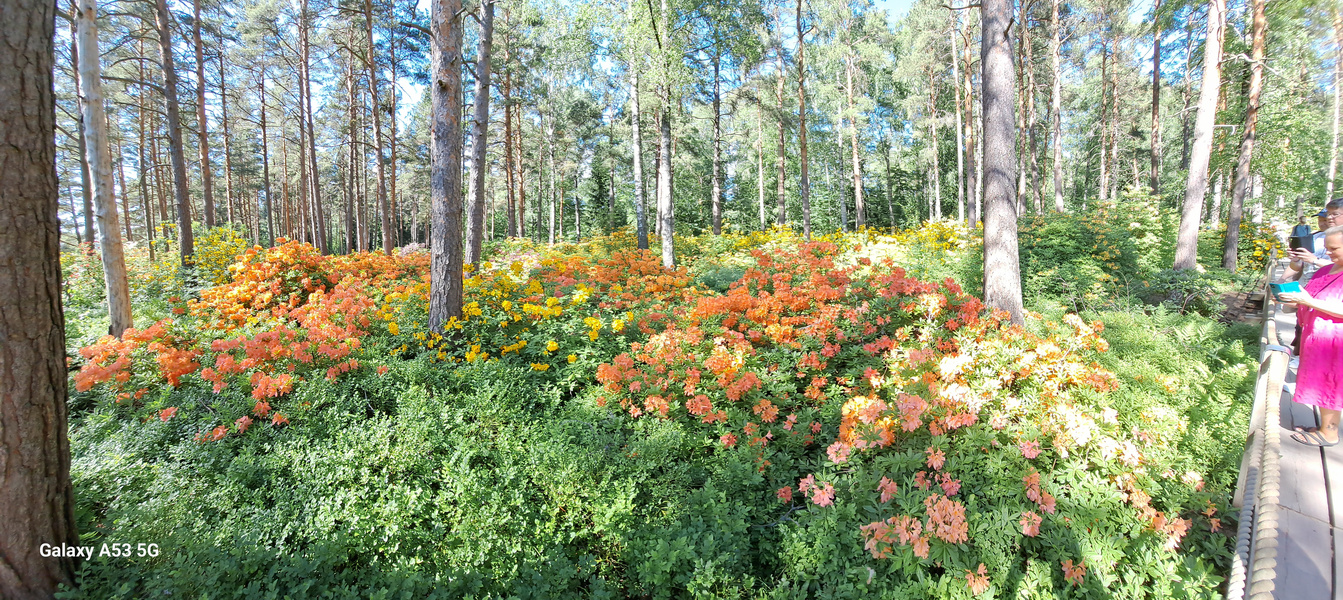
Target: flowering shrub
823 424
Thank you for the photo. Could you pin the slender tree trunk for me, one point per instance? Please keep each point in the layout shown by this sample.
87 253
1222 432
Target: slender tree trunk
1032 122
1105 119
960 128
760 164
973 166
480 127
314 188
804 185
265 160
640 203
1215 212
223 122
1056 108
522 176
141 168
1338 84
890 185
1186 246
550 198
186 241
396 220
935 211
99 158
1229 251
120 169
717 194
36 499
375 96
859 207
666 219
782 175
85 178
1155 175
511 220
1002 275
1187 94
202 127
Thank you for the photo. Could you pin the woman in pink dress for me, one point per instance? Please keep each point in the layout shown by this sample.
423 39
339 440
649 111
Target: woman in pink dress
1319 380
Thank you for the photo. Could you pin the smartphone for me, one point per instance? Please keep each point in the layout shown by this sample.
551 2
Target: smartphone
1287 287
1296 242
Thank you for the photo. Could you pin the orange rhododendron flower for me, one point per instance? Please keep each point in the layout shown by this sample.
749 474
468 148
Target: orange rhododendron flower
978 582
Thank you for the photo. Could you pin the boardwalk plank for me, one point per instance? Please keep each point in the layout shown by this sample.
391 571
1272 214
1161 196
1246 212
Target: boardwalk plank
1305 558
1303 485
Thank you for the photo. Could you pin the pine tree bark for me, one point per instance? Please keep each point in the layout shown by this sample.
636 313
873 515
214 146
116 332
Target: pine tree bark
1056 107
716 195
445 267
265 160
859 207
960 127
666 218
313 199
640 201
1002 274
780 168
760 165
1103 192
1230 250
36 500
1196 187
1338 85
384 206
185 239
202 125
509 165
99 159
85 178
1154 177
228 150
935 211
804 183
480 126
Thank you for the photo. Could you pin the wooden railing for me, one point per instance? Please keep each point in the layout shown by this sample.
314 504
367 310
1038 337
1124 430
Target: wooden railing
1254 566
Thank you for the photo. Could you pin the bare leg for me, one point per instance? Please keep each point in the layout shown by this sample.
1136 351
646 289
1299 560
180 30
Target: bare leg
1329 424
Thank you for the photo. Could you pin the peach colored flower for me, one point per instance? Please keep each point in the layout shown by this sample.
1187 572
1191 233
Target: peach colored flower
888 489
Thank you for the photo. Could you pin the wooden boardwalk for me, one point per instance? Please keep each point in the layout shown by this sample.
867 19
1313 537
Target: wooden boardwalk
1309 506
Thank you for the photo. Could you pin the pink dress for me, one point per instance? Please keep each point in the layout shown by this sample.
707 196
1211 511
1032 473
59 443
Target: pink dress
1319 378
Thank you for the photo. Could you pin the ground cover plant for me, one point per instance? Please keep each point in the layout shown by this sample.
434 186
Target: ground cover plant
775 419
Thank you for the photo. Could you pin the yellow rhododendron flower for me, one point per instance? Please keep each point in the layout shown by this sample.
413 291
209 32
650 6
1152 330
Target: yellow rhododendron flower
552 346
393 328
573 357
540 366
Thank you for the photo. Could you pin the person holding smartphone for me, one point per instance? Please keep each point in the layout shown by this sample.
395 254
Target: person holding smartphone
1319 381
1306 260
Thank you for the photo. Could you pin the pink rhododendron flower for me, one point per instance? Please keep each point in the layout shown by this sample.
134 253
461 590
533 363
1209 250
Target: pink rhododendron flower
1030 523
806 483
838 452
888 489
167 413
785 493
1029 448
243 423
978 582
1073 574
936 458
823 495
729 440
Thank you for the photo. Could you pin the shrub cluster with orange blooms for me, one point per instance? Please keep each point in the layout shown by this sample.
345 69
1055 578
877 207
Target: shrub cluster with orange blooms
912 368
876 407
288 313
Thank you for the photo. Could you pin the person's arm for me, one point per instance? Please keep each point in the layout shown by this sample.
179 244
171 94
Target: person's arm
1333 308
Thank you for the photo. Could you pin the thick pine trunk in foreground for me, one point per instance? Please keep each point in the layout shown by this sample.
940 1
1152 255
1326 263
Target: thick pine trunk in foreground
1002 273
1196 187
480 126
445 179
1230 249
99 158
36 501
